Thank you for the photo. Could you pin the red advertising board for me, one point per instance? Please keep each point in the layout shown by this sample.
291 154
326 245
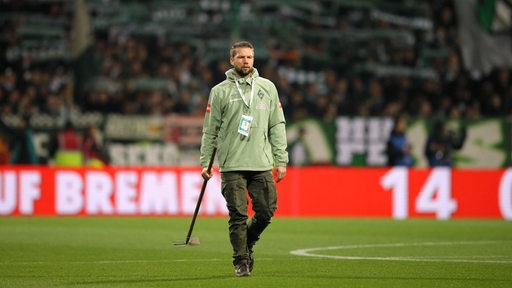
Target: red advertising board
113 191
398 193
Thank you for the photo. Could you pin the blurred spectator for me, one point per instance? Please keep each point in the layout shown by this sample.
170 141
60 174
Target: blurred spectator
398 147
473 110
297 108
441 142
21 147
94 154
299 153
184 104
66 148
5 156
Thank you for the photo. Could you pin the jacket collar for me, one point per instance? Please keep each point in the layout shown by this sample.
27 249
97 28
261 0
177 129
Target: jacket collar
232 76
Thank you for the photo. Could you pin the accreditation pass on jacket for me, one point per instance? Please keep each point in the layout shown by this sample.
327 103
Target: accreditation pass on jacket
245 125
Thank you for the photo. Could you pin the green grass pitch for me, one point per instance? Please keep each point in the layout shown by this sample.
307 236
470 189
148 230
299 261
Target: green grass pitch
139 252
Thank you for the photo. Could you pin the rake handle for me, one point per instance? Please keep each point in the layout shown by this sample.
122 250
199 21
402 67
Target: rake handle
200 199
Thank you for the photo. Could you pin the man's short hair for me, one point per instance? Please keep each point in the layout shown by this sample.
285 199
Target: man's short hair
239 44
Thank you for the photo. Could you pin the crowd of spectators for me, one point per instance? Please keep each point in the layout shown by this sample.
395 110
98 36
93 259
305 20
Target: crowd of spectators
321 77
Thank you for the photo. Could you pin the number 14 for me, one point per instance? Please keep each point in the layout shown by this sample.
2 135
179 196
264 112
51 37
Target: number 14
434 197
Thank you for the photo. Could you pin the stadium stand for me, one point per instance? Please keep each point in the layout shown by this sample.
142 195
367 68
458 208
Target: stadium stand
329 58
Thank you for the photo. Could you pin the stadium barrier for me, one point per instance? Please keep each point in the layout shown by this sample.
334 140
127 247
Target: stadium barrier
174 140
398 193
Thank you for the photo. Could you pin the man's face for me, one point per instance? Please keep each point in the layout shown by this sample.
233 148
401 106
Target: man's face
243 61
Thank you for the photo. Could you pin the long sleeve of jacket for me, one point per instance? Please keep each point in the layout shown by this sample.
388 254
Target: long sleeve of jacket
211 126
277 132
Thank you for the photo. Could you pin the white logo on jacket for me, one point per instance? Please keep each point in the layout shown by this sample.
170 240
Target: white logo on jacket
261 106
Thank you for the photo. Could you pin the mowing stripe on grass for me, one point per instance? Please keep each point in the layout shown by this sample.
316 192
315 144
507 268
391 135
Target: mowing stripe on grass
121 261
310 252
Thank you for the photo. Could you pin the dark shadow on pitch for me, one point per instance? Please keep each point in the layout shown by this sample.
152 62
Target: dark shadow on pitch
152 280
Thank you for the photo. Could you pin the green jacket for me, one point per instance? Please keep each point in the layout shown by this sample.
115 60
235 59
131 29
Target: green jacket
266 144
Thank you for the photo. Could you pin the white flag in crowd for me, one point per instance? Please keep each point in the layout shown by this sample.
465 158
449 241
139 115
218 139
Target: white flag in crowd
486 34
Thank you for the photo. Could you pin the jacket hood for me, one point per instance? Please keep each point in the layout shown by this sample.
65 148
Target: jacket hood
232 76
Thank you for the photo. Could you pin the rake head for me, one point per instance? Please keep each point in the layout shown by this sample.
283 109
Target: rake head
194 241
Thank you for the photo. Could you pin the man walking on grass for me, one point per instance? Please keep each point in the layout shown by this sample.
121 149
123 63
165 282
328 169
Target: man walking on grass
245 120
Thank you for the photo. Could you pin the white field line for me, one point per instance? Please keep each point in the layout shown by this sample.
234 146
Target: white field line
310 252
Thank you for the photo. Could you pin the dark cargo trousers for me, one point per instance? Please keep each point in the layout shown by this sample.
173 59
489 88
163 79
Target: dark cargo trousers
243 234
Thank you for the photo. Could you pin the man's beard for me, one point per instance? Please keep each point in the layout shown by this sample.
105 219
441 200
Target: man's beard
241 72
